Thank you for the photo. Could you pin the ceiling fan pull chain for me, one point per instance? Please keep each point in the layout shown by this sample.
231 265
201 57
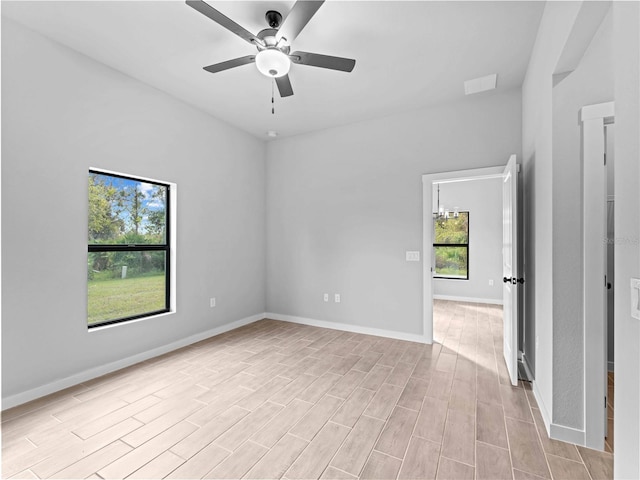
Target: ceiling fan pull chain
273 103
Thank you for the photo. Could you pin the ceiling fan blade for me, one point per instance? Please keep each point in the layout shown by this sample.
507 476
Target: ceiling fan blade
297 18
324 61
236 62
284 86
208 11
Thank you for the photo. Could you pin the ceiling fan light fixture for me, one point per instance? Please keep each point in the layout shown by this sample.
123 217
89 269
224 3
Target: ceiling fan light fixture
272 63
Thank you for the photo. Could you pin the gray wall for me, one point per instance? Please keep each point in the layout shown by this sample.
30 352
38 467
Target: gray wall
343 206
555 26
626 64
483 200
590 83
62 113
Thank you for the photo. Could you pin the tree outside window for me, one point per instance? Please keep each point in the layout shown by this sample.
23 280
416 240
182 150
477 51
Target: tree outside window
128 248
451 245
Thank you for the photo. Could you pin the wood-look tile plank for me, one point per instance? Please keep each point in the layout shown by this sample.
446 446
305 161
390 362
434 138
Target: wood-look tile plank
12 466
367 361
440 385
351 410
89 429
526 451
316 417
257 398
490 424
515 404
400 374
347 384
317 389
241 431
278 460
446 362
488 387
332 473
380 466
162 423
599 464
135 459
383 402
314 459
344 365
459 438
27 474
413 393
520 475
209 432
463 397
563 468
376 377
239 462
397 432
74 452
273 431
294 388
451 470
421 460
551 446
431 420
17 447
201 463
354 452
94 461
493 463
159 467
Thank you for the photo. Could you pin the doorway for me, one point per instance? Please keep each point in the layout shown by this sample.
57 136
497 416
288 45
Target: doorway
509 249
597 151
609 140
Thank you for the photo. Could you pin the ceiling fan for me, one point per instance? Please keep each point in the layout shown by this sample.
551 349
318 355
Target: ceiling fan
274 43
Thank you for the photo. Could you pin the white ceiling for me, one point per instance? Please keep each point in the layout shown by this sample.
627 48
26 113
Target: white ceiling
408 54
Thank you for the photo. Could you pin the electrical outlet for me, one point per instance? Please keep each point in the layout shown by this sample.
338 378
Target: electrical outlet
336 298
491 283
212 302
326 297
412 256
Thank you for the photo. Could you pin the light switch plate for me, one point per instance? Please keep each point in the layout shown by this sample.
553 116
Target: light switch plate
413 256
635 298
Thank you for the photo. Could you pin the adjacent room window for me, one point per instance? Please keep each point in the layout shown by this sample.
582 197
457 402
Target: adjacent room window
451 246
128 250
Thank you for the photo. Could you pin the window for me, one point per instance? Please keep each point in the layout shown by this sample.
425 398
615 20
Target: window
451 245
128 249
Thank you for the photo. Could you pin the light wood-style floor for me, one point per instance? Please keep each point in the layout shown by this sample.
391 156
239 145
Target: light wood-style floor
276 399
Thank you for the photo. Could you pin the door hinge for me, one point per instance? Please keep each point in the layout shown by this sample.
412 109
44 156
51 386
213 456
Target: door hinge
605 402
605 158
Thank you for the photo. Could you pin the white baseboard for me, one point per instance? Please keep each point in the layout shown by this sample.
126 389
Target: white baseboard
455 298
567 434
546 418
75 379
411 337
555 431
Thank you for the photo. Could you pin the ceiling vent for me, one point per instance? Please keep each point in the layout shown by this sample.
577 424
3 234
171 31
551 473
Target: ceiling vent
481 84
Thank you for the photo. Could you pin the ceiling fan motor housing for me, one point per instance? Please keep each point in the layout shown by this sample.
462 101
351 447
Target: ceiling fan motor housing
274 19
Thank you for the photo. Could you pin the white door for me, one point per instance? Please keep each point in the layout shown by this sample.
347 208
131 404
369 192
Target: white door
510 267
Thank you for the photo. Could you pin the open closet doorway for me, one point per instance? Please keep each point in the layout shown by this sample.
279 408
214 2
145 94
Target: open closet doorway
609 140
598 162
448 269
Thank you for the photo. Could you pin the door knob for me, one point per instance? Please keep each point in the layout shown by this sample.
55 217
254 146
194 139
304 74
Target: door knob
506 280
